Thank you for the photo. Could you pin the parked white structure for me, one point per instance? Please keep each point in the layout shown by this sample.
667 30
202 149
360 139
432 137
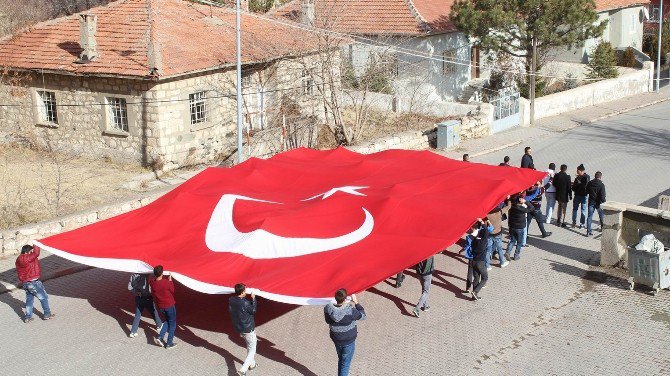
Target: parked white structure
624 28
422 50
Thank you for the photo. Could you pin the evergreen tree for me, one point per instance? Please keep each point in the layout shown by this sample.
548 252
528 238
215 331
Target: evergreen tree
602 63
511 26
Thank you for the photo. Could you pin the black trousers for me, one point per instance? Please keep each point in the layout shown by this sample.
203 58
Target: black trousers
470 277
539 218
481 275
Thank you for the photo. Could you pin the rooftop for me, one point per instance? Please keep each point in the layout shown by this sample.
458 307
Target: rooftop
374 17
166 37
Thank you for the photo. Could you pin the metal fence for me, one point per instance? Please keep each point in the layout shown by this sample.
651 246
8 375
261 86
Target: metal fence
505 105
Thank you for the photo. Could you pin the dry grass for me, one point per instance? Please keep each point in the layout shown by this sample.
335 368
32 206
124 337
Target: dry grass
35 185
380 124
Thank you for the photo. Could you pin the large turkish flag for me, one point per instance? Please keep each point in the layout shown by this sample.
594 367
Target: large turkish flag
300 225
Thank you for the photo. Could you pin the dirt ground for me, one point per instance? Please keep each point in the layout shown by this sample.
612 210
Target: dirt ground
380 124
35 185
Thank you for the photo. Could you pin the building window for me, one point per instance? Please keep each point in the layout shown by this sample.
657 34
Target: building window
118 113
198 106
47 107
449 62
307 82
653 13
633 23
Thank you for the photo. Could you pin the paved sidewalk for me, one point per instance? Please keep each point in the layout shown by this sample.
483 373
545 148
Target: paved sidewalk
555 124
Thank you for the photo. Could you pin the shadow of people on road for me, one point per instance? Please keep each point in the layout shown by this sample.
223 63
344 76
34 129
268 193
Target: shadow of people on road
400 303
17 304
106 291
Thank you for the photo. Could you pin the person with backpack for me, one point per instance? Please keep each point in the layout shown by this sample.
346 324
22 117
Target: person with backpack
424 270
467 252
139 286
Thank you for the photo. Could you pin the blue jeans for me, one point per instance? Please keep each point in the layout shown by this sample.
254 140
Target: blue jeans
525 234
551 202
495 245
345 353
35 289
170 314
142 303
515 238
589 219
579 200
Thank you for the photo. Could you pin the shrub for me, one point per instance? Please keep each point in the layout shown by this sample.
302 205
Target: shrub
628 58
602 63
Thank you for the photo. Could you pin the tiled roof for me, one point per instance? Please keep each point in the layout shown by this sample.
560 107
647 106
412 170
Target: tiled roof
373 17
603 5
134 36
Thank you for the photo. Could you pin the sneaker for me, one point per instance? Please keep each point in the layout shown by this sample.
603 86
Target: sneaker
504 264
253 366
581 226
132 335
51 316
28 319
525 246
241 373
466 291
546 234
564 225
159 328
589 234
507 257
574 225
516 258
494 256
489 268
474 296
426 309
159 342
170 346
415 312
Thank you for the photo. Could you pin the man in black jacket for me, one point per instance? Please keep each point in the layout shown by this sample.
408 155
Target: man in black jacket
517 223
242 313
527 159
479 244
563 194
579 187
595 189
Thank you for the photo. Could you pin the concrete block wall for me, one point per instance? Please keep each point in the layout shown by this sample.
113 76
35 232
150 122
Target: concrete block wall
622 224
11 240
636 82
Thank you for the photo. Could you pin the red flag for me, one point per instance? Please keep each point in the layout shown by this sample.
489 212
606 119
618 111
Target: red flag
300 225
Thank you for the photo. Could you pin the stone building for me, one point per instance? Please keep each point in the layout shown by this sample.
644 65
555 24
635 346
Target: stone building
153 81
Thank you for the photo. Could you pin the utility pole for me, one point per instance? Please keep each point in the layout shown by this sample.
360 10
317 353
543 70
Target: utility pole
533 67
240 154
658 58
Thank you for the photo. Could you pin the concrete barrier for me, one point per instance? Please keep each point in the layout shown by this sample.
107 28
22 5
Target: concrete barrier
640 81
623 222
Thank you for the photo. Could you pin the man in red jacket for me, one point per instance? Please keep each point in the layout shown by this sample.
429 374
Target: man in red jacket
28 269
162 289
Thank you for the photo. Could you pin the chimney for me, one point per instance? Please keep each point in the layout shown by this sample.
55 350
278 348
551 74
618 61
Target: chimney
87 27
307 12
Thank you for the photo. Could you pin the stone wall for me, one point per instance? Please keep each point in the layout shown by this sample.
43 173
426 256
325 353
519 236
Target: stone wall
635 82
83 121
621 230
412 140
392 103
11 240
160 130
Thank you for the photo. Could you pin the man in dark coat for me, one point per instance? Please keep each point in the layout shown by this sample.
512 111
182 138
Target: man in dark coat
242 313
562 182
579 187
527 159
595 189
517 223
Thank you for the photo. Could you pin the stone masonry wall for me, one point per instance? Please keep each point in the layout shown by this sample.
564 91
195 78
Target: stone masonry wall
83 119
